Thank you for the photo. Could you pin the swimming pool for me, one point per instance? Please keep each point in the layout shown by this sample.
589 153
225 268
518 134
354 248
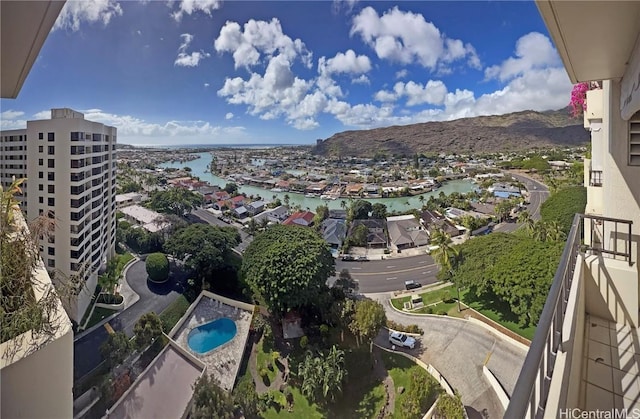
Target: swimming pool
209 336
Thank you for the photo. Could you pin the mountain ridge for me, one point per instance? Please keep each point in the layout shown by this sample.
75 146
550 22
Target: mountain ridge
516 131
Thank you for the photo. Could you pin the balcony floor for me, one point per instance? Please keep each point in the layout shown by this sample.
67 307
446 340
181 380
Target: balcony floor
611 369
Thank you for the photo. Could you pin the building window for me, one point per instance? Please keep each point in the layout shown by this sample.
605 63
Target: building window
51 188
40 149
40 199
51 202
40 162
51 176
75 136
40 136
51 163
51 150
41 187
51 136
51 263
51 251
41 175
634 140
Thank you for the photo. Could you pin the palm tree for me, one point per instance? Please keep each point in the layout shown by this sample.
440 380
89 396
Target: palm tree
286 200
421 199
525 218
554 231
446 254
540 231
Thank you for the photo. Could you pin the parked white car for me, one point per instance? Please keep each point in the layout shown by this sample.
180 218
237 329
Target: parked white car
400 339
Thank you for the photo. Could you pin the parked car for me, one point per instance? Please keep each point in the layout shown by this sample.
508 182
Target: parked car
402 340
411 284
362 258
348 258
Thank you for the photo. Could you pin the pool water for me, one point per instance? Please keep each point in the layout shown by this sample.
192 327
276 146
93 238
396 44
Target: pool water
209 336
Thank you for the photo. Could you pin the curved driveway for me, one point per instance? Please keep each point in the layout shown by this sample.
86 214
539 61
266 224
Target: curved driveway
459 349
153 297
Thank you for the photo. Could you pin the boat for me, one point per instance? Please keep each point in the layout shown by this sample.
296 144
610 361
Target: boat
309 195
276 190
325 197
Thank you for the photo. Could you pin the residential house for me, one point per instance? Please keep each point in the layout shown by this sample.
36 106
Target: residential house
274 215
353 189
338 213
126 199
236 201
301 218
255 207
376 235
405 232
334 231
432 220
149 220
501 190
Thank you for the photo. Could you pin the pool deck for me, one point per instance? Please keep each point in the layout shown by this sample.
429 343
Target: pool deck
224 361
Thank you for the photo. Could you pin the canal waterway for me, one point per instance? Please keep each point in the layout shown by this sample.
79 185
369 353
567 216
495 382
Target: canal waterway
199 169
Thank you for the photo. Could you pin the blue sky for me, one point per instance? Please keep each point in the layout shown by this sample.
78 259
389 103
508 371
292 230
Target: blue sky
196 72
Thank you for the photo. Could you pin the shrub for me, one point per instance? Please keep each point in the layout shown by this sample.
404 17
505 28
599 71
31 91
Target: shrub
429 310
324 329
441 313
304 341
157 266
412 328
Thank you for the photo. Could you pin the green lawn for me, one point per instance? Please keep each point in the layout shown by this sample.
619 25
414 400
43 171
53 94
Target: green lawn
526 332
451 309
98 314
400 369
302 409
122 260
363 395
429 297
264 360
174 312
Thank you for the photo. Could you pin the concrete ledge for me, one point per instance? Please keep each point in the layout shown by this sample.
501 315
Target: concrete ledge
117 307
496 386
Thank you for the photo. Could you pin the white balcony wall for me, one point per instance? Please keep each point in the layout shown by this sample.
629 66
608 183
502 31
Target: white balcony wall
612 290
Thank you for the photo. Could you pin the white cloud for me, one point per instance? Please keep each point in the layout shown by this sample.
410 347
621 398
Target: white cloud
361 80
257 39
343 4
402 74
348 62
136 130
76 11
184 59
12 120
11 114
139 32
191 6
42 115
432 93
229 115
206 85
533 51
406 37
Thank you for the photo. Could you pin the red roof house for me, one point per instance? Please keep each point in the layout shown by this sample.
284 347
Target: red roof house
301 218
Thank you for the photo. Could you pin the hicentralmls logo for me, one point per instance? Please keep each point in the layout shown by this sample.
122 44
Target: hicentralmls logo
599 414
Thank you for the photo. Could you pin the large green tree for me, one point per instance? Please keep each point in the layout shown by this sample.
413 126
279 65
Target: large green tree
178 201
322 376
288 267
368 318
210 401
562 206
116 348
147 329
360 209
512 273
203 248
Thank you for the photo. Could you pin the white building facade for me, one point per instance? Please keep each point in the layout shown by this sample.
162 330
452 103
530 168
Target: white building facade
70 165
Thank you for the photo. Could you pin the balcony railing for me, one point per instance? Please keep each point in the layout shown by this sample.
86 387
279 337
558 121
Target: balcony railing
595 177
531 392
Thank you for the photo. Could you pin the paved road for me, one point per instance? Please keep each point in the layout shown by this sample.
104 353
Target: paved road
458 349
538 193
389 274
208 217
153 297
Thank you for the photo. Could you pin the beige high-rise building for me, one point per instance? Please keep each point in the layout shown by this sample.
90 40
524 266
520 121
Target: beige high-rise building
36 366
70 165
584 360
